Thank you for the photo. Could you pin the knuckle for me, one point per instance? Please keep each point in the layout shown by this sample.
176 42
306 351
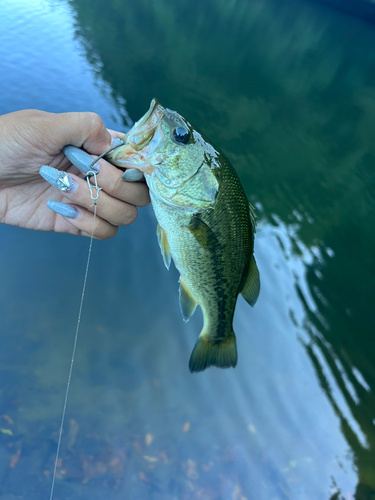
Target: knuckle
144 198
95 122
103 229
130 215
116 185
136 193
111 232
32 113
92 124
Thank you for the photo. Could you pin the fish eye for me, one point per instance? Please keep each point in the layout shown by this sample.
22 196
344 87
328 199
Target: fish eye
181 135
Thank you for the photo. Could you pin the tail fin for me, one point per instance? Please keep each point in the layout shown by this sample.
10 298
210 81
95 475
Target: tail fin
209 351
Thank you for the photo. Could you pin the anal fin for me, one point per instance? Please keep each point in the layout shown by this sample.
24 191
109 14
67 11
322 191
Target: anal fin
251 287
164 246
187 301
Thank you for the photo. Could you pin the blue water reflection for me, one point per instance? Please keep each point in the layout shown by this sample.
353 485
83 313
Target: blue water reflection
295 418
265 427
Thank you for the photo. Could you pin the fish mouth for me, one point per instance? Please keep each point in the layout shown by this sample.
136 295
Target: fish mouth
140 141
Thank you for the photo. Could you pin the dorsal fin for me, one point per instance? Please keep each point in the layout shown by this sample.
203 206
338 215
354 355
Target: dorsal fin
164 246
251 288
187 301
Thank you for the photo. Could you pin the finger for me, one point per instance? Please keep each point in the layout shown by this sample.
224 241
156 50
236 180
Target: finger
102 228
116 134
111 179
132 175
85 130
86 163
83 220
76 190
113 210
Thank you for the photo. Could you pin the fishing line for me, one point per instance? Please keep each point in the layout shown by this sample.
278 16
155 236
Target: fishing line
95 197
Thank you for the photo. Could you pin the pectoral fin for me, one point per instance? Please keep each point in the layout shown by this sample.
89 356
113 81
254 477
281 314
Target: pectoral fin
203 233
164 246
251 288
187 301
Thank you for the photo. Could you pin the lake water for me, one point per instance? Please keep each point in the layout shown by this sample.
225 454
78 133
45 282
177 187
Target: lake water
286 89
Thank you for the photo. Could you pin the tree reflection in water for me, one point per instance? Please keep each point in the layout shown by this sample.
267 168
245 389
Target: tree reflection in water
286 90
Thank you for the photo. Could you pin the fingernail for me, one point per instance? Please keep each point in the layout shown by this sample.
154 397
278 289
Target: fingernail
58 179
132 175
116 142
63 209
80 159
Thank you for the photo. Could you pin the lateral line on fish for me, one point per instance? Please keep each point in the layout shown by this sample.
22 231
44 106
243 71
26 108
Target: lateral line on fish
91 173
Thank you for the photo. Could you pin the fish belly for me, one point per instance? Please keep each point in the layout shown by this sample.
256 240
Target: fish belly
203 273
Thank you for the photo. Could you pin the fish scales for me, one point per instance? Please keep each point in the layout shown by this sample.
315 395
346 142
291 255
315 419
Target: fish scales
205 224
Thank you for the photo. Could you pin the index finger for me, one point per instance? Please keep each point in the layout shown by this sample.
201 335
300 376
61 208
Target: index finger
83 130
109 179
116 134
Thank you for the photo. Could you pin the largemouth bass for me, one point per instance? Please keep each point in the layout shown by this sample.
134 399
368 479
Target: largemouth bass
205 224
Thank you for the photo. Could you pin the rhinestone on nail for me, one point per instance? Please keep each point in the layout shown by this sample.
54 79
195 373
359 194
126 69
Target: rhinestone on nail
64 182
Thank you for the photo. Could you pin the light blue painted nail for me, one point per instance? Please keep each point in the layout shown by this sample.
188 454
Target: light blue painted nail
58 178
116 142
80 159
132 175
63 209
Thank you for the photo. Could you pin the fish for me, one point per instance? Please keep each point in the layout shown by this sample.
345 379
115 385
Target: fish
206 225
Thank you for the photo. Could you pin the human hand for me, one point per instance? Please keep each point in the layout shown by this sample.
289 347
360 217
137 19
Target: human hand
30 139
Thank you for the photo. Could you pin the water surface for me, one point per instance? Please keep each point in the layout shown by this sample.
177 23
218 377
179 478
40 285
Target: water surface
286 90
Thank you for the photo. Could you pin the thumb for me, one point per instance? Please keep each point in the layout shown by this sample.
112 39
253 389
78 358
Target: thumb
84 130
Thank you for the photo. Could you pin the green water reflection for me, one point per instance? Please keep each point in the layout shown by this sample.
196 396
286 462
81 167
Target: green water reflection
287 91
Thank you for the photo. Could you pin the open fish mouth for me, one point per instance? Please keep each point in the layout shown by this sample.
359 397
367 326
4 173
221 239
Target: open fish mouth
140 141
